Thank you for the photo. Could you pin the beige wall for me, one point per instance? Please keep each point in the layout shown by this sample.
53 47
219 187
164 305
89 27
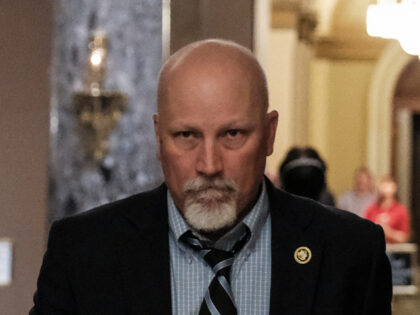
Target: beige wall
338 116
25 33
280 73
334 117
287 69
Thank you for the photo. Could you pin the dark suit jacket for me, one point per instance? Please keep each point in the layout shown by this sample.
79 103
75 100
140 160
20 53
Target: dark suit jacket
115 260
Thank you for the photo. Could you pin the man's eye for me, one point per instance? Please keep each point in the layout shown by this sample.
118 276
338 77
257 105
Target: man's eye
186 140
185 134
234 138
233 133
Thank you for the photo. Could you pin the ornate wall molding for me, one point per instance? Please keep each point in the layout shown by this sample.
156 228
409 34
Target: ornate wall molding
346 47
294 15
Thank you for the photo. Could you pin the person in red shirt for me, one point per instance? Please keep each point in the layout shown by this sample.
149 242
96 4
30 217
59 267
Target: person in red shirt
389 213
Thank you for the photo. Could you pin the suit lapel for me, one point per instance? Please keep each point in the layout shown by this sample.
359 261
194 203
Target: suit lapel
293 285
143 251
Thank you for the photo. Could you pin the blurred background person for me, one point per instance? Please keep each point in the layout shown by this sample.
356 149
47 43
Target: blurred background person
362 195
303 173
389 213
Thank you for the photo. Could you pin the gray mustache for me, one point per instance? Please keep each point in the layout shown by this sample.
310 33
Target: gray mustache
200 184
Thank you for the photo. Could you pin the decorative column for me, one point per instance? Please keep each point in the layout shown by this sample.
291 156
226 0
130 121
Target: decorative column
133 29
290 54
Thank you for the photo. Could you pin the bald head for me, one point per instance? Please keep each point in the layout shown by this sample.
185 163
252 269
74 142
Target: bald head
214 58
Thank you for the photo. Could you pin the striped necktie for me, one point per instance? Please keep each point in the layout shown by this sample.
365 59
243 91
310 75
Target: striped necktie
219 298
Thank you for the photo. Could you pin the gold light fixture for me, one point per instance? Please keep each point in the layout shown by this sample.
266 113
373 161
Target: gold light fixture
396 19
98 111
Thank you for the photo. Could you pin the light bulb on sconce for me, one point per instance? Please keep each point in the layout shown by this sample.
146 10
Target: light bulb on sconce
98 111
96 58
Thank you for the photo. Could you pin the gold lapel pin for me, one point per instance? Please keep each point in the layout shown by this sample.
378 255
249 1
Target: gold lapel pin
303 255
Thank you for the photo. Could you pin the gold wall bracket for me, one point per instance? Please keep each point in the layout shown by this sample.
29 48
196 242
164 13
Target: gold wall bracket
98 111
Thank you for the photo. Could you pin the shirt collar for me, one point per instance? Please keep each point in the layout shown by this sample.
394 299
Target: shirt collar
254 221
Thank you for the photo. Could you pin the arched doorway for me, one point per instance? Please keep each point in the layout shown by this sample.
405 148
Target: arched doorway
391 119
380 104
406 139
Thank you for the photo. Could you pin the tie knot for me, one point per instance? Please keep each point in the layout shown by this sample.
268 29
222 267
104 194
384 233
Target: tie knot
217 259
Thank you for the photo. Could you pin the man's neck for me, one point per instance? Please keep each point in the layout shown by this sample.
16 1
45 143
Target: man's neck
213 236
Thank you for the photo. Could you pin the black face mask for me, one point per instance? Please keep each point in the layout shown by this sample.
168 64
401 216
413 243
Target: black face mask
306 181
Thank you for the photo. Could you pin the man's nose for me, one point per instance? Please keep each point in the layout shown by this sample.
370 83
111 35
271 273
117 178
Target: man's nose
209 162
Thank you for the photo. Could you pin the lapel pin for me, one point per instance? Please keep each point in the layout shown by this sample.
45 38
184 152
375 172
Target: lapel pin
303 255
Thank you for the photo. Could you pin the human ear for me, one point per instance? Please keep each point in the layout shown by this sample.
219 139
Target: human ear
271 127
156 125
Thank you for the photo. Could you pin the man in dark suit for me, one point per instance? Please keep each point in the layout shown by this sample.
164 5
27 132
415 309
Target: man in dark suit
216 237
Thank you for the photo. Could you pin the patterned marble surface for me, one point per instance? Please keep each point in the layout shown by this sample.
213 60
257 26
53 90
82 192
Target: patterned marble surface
134 58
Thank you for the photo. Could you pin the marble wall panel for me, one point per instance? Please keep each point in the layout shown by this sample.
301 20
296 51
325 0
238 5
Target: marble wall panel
134 59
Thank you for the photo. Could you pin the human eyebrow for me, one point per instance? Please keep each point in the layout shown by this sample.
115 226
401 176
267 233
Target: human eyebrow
176 128
239 125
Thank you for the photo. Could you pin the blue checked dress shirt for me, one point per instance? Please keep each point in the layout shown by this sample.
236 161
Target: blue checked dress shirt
251 270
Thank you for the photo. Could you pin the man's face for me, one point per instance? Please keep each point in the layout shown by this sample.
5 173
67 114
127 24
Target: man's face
213 139
387 189
363 182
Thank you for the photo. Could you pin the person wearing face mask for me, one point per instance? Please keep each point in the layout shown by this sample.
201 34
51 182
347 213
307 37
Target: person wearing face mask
389 213
303 173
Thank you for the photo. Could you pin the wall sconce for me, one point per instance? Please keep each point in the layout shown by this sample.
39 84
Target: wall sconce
396 19
98 111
